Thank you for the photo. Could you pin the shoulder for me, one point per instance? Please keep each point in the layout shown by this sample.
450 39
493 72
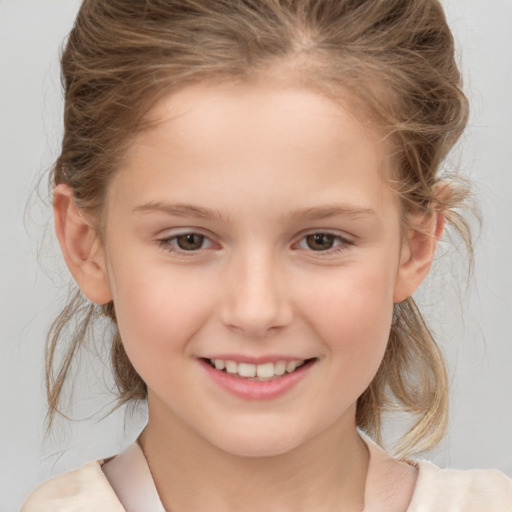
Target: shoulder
83 490
432 489
477 490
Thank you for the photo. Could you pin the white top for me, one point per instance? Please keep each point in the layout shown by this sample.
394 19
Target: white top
125 484
129 476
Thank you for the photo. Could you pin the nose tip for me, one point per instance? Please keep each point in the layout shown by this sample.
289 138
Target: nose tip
255 323
256 301
257 313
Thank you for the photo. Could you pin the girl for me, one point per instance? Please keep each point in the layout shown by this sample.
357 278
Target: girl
249 191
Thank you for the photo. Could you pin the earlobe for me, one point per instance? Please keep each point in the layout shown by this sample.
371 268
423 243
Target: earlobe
417 254
81 246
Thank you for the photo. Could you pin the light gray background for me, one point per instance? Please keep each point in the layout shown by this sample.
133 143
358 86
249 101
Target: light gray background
474 325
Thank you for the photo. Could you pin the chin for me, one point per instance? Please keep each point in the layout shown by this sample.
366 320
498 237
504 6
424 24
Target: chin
254 442
258 448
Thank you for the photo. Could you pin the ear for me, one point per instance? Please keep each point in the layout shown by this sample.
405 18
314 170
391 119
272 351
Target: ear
81 246
417 253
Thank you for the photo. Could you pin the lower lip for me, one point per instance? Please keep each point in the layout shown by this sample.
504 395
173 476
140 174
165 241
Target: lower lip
255 389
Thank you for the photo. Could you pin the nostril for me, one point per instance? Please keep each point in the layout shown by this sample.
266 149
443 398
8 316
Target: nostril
255 310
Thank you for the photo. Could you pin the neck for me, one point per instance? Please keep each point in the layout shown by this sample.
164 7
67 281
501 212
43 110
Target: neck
191 474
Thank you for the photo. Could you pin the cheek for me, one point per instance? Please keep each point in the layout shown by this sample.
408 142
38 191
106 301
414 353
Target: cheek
157 313
358 301
354 319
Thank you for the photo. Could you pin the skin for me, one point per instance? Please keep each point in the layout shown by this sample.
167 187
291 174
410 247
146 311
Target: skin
259 167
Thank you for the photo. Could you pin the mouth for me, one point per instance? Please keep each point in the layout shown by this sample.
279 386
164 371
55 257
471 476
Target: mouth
258 372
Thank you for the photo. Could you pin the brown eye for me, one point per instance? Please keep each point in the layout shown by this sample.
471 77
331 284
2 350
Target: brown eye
320 241
190 242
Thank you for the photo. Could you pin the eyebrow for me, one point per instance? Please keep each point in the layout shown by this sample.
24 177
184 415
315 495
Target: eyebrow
324 212
179 210
314 213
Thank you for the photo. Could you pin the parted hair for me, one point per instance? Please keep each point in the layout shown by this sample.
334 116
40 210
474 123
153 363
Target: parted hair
394 60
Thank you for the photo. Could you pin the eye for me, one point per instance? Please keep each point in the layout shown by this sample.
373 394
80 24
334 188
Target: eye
323 242
186 242
190 241
320 241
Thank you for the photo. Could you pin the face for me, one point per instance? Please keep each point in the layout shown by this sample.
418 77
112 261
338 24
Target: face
251 231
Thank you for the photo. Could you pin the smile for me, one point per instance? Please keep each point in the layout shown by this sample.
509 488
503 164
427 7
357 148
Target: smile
260 372
252 381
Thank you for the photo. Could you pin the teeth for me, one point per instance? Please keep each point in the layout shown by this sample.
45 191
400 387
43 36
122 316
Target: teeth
246 370
279 367
231 367
290 366
264 371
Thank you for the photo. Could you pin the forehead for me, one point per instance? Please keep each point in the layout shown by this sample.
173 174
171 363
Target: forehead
261 111
249 134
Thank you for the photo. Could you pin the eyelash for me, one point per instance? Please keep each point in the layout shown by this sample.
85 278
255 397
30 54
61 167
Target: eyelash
167 243
341 243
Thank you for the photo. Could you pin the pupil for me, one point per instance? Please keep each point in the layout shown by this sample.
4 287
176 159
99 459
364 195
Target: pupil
190 241
320 241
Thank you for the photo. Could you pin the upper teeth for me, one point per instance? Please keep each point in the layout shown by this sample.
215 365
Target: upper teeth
264 371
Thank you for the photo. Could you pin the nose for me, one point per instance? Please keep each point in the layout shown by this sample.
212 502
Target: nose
256 300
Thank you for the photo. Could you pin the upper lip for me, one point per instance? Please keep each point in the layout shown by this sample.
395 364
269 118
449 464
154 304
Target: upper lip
238 358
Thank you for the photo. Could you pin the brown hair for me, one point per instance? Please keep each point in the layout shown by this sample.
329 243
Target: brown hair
394 58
